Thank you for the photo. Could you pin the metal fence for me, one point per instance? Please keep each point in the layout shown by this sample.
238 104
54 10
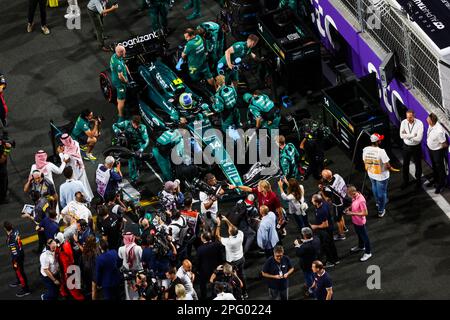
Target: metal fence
391 30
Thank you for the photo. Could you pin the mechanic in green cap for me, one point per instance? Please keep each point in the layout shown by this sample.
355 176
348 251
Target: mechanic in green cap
119 78
289 158
213 39
195 53
137 137
196 12
225 104
240 50
266 114
158 10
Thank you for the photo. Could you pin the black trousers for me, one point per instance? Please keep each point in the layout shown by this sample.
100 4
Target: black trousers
18 266
438 165
414 152
327 245
239 265
3 183
32 4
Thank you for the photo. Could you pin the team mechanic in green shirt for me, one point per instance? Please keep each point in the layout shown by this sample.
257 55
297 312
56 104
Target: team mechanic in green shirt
266 114
119 78
84 134
238 50
289 159
137 137
196 12
213 39
195 53
225 104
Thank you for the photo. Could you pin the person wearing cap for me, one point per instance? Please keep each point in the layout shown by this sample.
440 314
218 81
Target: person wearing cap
437 147
377 166
213 39
411 132
238 51
307 249
119 78
171 197
262 110
195 54
138 140
108 176
225 103
38 186
358 212
65 256
289 158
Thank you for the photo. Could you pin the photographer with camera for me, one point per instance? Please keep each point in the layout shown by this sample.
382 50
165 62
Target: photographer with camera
131 255
108 176
226 276
86 131
137 137
210 192
234 251
171 197
144 289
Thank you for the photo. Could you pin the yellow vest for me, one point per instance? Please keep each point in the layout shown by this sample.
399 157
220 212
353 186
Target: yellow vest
53 3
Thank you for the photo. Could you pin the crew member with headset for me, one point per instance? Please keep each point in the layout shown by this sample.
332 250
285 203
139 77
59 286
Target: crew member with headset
411 132
263 110
238 51
137 137
225 101
437 146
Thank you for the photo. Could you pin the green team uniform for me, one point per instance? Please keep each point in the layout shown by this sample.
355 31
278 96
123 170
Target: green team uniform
196 56
225 104
289 3
158 13
138 141
289 160
213 41
240 51
117 65
262 107
78 131
163 149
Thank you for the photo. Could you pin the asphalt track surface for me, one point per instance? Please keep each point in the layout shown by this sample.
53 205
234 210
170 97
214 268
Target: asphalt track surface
56 76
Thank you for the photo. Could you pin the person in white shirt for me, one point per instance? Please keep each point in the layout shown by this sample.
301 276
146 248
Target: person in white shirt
411 132
377 166
437 146
187 278
50 271
221 295
234 250
209 205
131 255
47 168
76 209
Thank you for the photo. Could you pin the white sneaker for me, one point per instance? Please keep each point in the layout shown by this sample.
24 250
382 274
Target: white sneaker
356 249
381 214
71 15
365 257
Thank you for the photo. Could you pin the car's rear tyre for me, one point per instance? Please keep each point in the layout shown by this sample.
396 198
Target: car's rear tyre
108 90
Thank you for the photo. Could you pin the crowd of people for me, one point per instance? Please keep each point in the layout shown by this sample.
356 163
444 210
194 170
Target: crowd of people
89 248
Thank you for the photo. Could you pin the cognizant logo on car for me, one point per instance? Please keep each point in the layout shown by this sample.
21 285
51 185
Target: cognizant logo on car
139 39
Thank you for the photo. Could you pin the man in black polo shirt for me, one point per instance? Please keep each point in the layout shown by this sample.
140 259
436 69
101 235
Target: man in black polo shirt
323 228
277 270
174 280
323 288
110 226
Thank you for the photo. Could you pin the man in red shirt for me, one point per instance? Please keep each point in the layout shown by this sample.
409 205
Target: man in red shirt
3 106
267 198
65 258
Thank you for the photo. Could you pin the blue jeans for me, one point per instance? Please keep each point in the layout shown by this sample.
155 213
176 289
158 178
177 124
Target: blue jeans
379 189
363 238
302 221
52 289
309 278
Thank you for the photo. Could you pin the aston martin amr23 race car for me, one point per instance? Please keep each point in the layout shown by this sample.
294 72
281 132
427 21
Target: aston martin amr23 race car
154 93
